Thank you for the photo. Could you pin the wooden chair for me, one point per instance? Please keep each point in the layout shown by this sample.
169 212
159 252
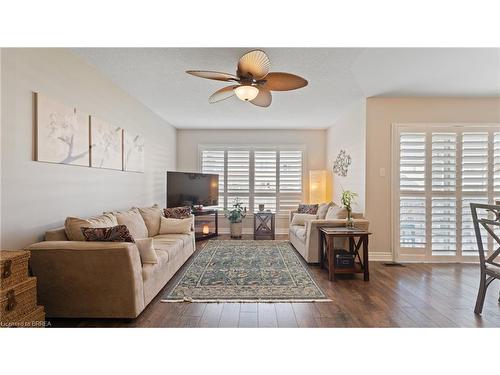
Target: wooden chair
490 270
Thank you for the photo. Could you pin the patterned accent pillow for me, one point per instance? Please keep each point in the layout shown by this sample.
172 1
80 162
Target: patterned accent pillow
177 212
310 209
119 233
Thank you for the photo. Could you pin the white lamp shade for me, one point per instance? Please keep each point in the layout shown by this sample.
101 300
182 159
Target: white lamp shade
317 186
246 92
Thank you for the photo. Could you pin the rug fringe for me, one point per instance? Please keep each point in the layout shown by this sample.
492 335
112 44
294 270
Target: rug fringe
243 300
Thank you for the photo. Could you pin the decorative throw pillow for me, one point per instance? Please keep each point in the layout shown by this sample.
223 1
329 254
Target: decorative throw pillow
177 212
151 216
311 209
336 212
323 209
300 219
134 222
175 226
73 225
119 233
146 250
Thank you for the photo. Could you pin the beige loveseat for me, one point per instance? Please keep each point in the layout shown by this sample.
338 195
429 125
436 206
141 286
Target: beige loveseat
103 279
305 238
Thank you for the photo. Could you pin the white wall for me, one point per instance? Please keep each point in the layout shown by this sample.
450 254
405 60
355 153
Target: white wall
313 140
38 196
348 133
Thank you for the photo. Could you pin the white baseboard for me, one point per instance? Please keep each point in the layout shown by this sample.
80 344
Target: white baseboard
380 256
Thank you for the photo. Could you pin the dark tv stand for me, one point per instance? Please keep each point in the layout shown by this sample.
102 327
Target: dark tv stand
214 218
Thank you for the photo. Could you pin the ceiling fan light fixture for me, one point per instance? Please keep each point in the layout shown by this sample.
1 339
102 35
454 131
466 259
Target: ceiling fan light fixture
246 92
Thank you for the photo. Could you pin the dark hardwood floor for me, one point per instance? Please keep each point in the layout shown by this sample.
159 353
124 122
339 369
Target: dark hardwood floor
418 295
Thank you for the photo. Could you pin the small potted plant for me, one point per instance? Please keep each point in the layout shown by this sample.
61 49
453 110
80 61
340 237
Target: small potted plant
235 216
348 198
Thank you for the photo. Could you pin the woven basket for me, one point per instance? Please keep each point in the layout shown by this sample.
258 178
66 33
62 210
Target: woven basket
18 301
13 267
34 319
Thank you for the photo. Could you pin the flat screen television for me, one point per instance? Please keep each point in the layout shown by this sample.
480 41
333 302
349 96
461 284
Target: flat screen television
192 189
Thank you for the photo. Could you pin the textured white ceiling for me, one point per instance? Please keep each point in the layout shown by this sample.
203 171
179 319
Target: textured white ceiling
428 72
337 77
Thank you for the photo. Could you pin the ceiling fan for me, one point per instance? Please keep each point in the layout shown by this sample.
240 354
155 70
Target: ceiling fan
254 81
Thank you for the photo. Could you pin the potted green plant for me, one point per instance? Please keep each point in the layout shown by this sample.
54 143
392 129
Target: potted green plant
235 216
348 198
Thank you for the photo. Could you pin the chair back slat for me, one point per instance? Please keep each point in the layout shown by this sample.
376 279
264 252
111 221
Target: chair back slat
487 224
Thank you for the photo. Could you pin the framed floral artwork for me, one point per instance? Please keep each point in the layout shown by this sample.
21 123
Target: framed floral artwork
62 133
106 144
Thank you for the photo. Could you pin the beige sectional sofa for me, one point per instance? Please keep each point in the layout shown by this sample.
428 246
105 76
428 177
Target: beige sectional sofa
305 238
104 279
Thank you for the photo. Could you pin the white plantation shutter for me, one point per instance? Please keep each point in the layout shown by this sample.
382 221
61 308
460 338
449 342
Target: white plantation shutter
265 179
267 175
412 212
412 222
444 153
212 161
290 180
412 162
474 184
496 165
475 162
443 199
238 177
444 229
442 169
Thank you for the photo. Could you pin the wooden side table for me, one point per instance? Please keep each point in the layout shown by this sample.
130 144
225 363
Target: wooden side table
356 238
263 225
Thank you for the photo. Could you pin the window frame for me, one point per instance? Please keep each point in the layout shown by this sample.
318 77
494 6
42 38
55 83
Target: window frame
252 148
425 254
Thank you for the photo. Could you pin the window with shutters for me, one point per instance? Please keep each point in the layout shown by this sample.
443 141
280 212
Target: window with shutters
440 169
213 161
272 176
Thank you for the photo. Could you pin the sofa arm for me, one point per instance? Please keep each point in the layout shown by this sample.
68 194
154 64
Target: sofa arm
192 223
88 279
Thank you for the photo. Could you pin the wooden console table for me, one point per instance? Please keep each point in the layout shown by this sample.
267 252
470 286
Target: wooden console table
208 217
326 250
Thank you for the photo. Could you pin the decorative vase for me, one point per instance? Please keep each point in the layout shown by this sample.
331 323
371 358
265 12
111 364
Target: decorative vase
261 207
236 229
349 222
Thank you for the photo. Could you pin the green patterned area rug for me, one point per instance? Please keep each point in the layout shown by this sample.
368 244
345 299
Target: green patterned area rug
246 271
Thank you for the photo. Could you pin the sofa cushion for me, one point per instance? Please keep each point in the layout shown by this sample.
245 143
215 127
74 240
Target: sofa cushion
147 251
177 212
73 225
336 212
134 222
185 238
149 269
151 216
308 209
58 234
300 219
172 244
323 209
299 231
174 226
118 233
